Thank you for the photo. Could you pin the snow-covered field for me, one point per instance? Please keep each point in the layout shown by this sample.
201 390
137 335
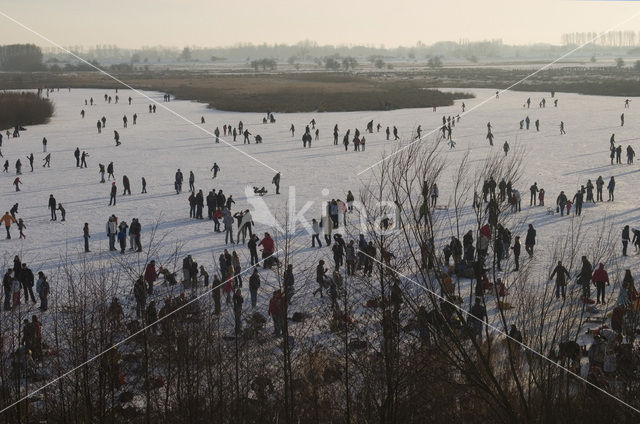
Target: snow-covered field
160 143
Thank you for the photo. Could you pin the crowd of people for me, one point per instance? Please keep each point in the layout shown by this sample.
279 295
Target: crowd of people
467 258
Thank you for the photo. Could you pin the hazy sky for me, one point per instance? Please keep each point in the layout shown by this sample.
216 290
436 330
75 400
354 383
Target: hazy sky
136 23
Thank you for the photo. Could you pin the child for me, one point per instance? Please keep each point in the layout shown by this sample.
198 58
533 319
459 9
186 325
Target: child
569 204
541 197
452 144
216 220
21 227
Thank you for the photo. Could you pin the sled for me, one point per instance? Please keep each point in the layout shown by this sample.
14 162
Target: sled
595 320
587 300
442 208
550 211
259 191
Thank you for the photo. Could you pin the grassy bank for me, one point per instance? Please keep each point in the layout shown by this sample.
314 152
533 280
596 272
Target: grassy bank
23 109
285 92
600 81
340 91
312 92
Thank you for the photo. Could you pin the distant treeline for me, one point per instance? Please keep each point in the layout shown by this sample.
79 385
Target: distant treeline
609 39
21 57
23 109
310 51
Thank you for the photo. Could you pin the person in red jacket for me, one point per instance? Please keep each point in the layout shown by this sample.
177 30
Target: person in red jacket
276 310
150 276
600 278
268 247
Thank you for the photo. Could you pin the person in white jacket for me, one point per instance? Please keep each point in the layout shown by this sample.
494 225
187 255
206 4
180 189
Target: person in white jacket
315 227
111 233
245 224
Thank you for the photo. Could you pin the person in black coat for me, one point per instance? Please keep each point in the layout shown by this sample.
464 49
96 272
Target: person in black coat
516 252
625 239
14 210
178 181
27 280
562 275
114 190
63 212
338 254
211 204
52 205
17 267
578 200
584 278
498 248
561 202
530 240
221 200
199 204
125 184
253 249
110 171
7 284
134 231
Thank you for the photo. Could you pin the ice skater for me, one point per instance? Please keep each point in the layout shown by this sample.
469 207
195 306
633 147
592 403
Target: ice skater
114 191
110 171
215 168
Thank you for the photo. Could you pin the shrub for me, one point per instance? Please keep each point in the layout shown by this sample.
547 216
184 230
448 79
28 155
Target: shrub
23 109
332 64
434 62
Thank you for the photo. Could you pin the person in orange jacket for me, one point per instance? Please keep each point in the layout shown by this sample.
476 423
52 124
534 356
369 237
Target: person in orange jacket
7 219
